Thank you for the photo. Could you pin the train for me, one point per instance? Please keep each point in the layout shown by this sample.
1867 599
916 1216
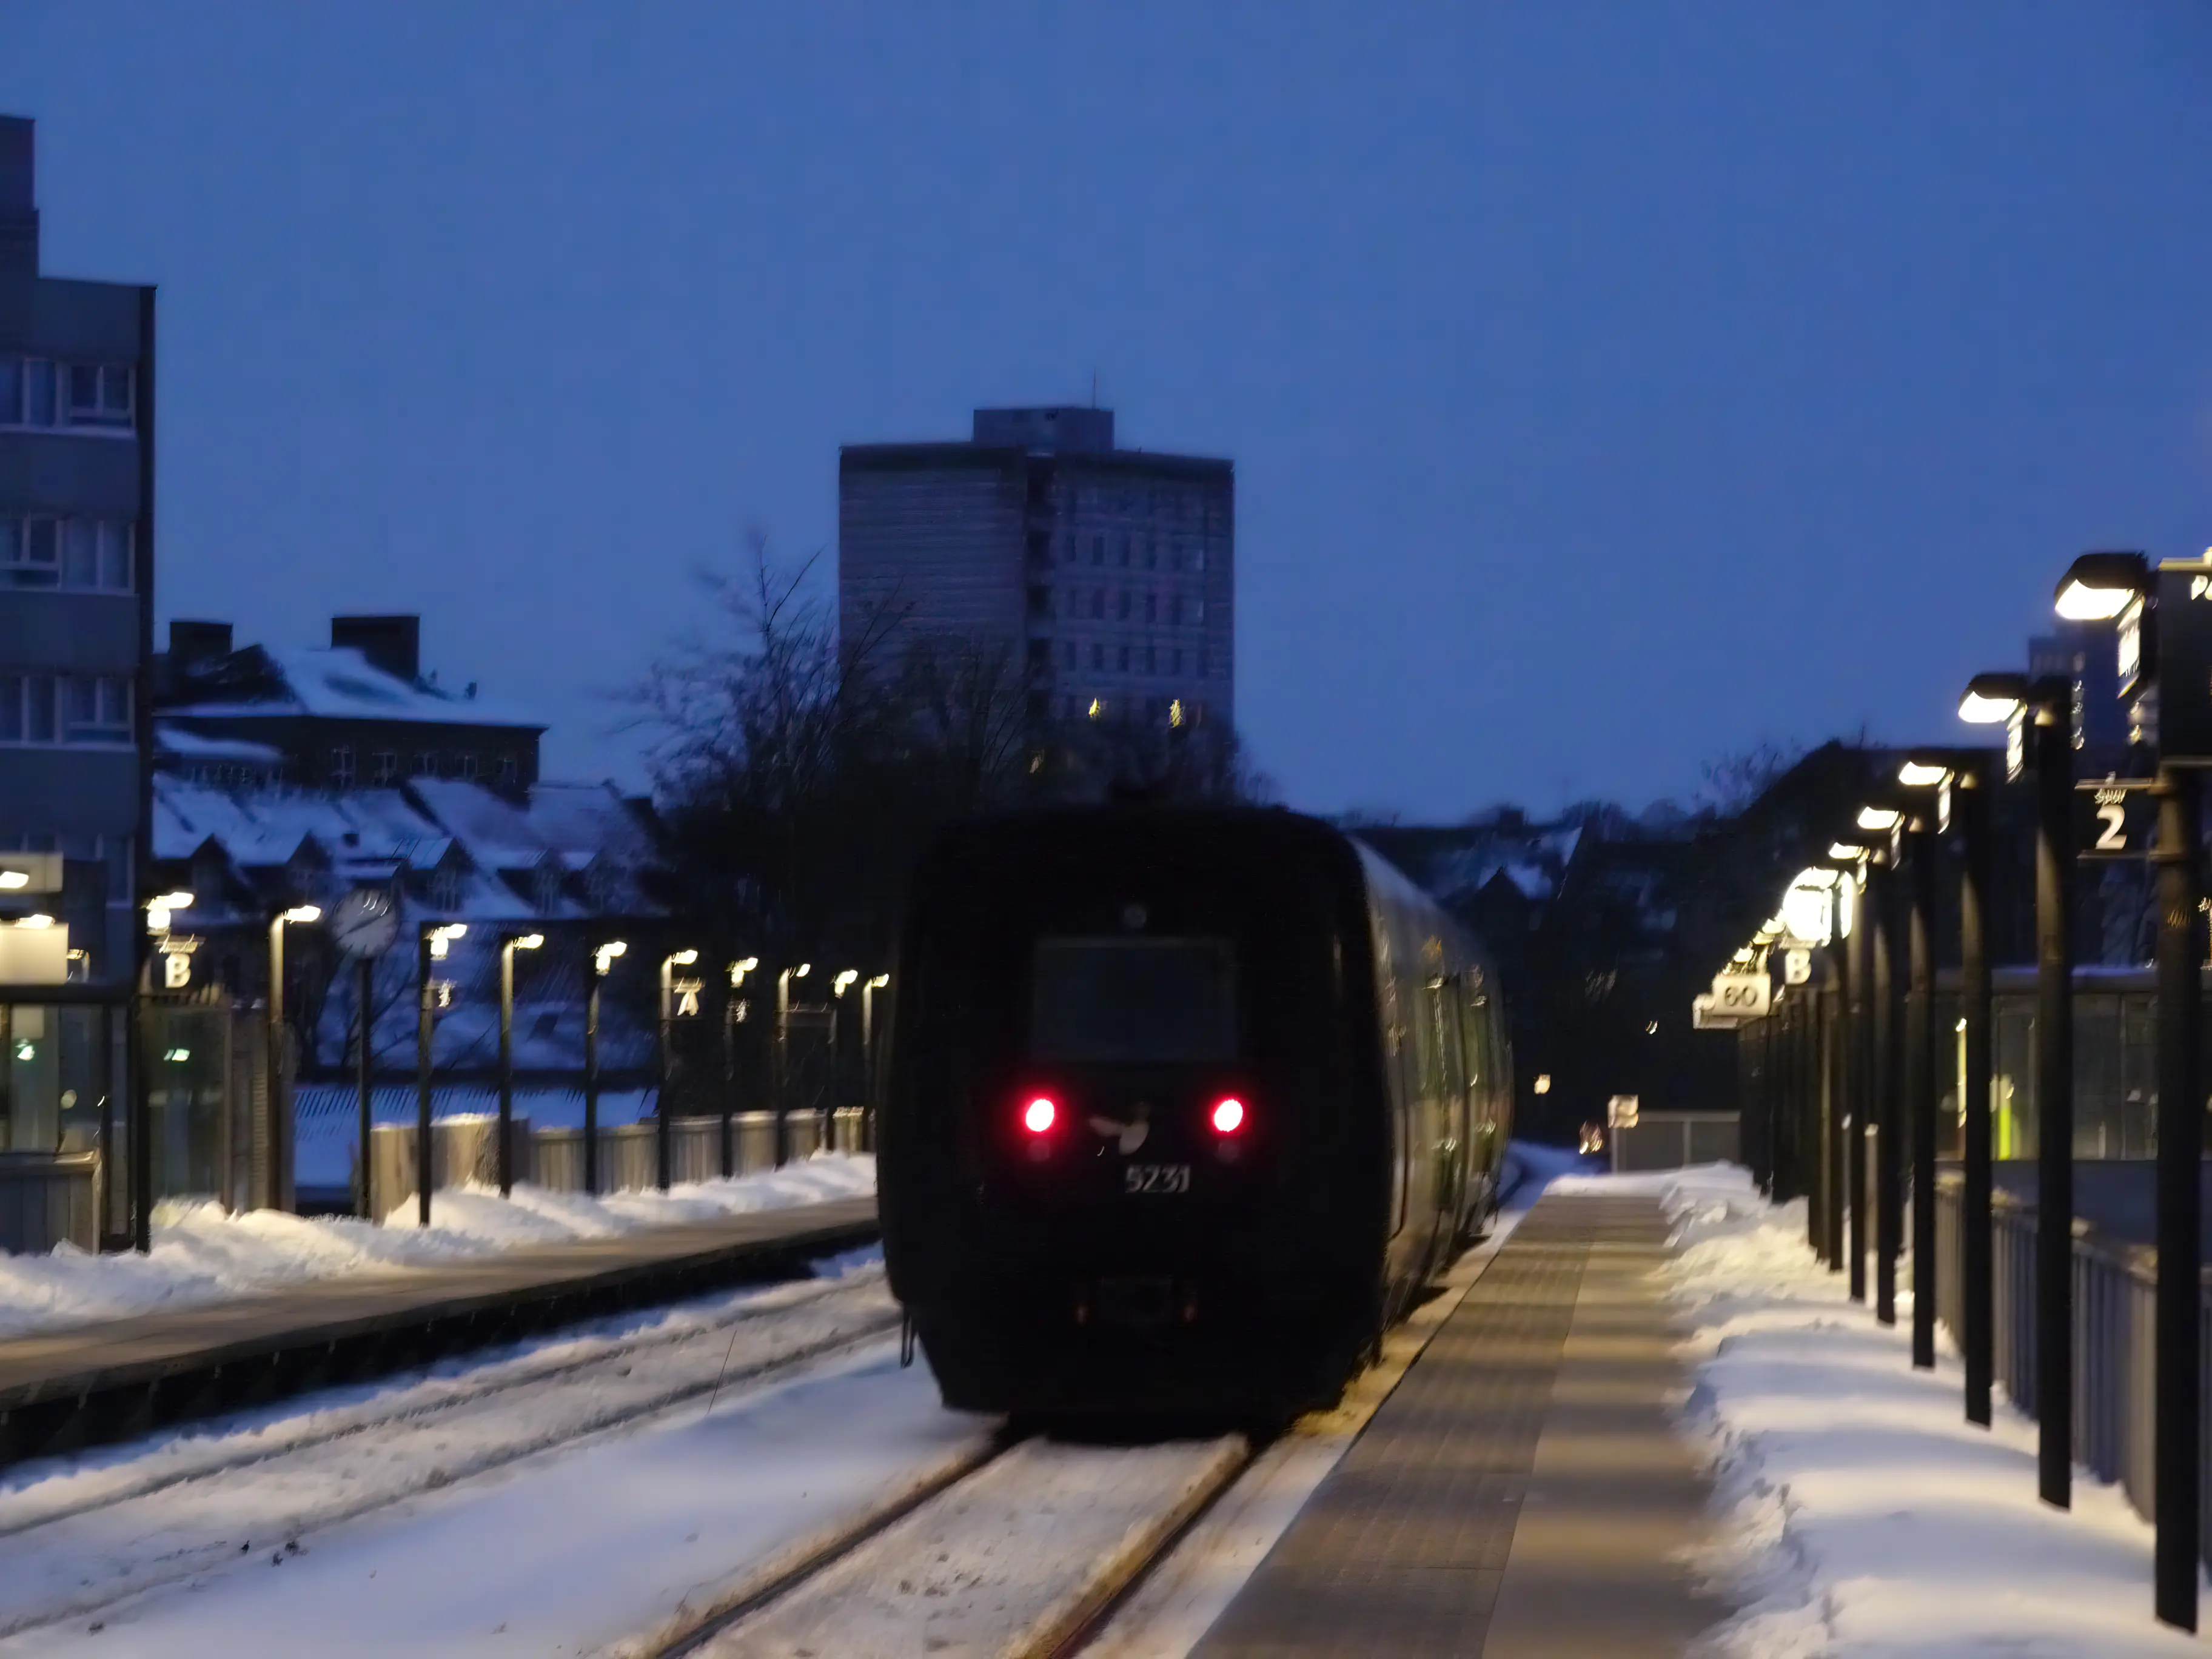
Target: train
1178 1110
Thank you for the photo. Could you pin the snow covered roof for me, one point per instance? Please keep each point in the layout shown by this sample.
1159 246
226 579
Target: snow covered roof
338 683
266 825
190 745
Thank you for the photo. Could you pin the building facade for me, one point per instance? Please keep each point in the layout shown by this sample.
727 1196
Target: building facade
76 566
1108 574
359 713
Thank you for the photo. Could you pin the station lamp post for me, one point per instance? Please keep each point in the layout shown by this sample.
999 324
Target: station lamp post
2037 715
139 1113
868 989
664 1144
1881 1072
732 1011
279 1127
432 943
2165 620
603 958
508 945
782 1079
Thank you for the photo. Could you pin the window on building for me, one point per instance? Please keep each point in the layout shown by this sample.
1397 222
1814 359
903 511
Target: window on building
1097 602
1125 549
1178 659
1198 558
99 709
1040 601
1125 660
510 769
467 768
342 766
34 403
1039 653
1098 658
1152 660
1198 611
86 555
1175 555
100 394
1125 605
1151 554
384 768
1174 610
1205 663
1097 550
1067 654
1151 607
426 763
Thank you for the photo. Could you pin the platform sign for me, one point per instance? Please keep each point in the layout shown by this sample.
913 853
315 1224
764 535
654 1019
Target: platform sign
2114 819
2184 669
1742 996
1620 1112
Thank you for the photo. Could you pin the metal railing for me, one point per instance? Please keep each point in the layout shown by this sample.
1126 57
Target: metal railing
2113 1323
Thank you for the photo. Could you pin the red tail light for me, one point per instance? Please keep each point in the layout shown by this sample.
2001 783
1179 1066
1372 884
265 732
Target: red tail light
1228 1116
1038 1116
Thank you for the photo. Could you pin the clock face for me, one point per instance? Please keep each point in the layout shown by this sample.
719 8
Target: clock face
366 923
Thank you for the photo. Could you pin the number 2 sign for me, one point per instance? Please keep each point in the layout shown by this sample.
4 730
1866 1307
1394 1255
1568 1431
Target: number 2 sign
2114 819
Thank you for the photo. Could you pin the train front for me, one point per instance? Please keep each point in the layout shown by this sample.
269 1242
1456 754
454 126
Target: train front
1123 1169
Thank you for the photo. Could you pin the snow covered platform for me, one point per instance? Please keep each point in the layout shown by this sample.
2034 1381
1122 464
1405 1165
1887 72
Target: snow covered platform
1524 1490
119 1377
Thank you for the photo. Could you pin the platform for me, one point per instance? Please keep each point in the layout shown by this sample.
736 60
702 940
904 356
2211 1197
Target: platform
1523 1493
104 1380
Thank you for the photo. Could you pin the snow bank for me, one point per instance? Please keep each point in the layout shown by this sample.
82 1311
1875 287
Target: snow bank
1858 1513
202 1255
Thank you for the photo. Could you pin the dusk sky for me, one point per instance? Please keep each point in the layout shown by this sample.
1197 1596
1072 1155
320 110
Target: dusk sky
1610 386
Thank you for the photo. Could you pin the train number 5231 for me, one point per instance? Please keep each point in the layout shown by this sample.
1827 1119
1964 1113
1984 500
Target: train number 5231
1156 1178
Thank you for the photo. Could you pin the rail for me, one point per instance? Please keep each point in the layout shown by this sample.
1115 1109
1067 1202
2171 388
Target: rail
2113 1321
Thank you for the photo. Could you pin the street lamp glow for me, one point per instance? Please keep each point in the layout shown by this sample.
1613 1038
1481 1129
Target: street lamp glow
157 919
37 919
528 941
1843 850
1922 775
176 901
12 880
303 912
1878 817
837 986
1543 1083
683 958
879 982
802 970
2097 587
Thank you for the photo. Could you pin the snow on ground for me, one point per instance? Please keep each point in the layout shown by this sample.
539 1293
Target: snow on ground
1858 1513
202 1255
560 1554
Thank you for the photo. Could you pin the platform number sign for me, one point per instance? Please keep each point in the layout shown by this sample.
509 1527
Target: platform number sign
1741 996
2114 819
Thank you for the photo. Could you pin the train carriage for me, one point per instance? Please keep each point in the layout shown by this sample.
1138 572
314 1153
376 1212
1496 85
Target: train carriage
1179 1108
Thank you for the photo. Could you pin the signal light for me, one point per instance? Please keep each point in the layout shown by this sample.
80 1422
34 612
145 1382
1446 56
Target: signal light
1227 1116
1038 1116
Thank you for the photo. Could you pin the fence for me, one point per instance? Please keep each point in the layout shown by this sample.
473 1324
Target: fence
2113 1339
48 1199
464 1149
1671 1140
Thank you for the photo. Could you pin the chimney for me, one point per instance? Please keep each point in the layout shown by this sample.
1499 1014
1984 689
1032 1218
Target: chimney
19 214
191 643
393 644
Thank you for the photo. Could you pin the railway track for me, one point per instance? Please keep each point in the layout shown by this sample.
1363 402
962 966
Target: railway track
175 1514
1017 1547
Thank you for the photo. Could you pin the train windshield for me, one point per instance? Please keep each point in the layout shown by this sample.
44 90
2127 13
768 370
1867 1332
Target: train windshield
1133 1001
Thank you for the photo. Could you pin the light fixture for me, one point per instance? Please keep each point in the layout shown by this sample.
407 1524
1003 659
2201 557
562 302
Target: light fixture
303 912
1038 1116
12 880
1992 699
157 919
1844 850
604 954
2097 587
176 901
1742 957
528 941
879 982
837 984
683 958
1227 1116
1878 817
38 919
802 970
1922 775
1543 1083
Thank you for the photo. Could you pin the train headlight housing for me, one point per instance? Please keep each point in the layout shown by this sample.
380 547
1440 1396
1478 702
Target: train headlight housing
1227 1116
1040 1115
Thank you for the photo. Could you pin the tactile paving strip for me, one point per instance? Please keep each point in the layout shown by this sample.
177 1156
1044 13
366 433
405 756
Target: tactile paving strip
1401 1548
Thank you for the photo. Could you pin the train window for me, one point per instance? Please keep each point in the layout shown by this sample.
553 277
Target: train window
1143 1001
